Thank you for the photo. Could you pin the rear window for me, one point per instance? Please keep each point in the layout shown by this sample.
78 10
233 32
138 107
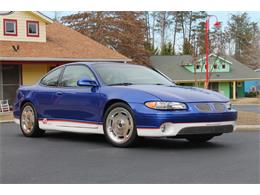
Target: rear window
52 78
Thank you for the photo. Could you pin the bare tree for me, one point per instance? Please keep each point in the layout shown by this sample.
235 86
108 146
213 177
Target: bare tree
124 31
163 23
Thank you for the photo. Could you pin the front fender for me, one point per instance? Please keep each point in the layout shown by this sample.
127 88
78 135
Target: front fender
22 95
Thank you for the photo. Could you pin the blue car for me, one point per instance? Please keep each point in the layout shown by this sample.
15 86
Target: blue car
121 101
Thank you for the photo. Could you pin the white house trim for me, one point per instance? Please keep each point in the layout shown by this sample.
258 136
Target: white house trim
42 16
216 57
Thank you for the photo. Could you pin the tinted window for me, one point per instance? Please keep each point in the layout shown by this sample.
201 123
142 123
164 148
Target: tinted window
74 73
52 78
112 74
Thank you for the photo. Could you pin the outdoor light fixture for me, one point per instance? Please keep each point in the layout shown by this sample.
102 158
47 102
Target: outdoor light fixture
217 25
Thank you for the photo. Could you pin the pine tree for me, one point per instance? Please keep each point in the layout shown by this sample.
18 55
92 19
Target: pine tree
187 48
167 49
243 32
163 23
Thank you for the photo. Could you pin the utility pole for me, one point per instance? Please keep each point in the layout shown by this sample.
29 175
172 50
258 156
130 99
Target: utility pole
217 25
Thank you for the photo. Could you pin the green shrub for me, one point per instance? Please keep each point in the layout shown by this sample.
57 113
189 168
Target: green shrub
252 94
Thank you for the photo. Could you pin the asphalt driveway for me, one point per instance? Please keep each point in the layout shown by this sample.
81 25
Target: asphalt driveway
84 158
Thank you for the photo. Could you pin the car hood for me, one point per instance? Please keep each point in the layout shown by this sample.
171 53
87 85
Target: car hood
180 93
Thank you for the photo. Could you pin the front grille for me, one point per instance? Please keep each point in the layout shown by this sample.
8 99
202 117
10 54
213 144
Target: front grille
220 107
206 130
203 107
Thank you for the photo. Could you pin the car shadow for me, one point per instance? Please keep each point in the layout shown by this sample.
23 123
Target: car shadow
144 143
177 144
76 137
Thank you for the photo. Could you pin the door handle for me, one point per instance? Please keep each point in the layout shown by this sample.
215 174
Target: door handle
59 93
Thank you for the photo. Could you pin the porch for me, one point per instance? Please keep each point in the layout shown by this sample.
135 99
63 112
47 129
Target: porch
14 74
231 89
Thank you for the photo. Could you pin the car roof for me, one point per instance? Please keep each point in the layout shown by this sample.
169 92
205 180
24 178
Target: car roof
100 63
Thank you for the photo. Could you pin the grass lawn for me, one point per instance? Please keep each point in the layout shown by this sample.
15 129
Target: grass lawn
248 118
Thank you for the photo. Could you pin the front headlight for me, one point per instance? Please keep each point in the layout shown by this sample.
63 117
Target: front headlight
166 105
228 105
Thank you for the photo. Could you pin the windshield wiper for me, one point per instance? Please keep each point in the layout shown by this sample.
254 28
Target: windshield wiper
157 84
124 84
163 84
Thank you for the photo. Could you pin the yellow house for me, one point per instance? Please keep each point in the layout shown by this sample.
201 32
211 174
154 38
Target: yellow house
31 44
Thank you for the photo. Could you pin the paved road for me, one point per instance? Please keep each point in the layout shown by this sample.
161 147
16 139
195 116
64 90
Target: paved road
74 158
248 108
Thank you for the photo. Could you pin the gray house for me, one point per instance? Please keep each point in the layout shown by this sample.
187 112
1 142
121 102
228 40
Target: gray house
226 74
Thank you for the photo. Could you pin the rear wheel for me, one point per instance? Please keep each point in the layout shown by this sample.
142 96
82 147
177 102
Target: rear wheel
29 121
199 138
119 125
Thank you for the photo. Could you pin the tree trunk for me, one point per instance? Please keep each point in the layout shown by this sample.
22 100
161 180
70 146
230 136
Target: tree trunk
183 28
190 25
147 21
163 25
153 28
174 34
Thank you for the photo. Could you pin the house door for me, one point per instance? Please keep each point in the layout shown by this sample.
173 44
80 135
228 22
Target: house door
10 79
213 87
240 89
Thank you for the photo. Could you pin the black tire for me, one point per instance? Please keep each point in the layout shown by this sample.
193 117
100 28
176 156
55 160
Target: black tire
36 131
199 138
133 137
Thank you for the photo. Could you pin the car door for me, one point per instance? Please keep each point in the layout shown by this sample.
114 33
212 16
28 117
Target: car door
77 103
45 96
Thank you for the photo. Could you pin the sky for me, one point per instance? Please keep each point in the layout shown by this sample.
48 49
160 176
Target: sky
222 16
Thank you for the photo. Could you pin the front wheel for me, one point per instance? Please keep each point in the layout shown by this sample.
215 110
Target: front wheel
199 138
119 125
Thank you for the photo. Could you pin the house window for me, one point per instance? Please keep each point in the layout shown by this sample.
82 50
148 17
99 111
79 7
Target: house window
32 28
223 66
197 67
10 27
215 66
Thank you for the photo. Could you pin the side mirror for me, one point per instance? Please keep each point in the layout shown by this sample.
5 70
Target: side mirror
87 82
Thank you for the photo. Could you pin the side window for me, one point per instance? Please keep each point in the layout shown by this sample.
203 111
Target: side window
52 78
74 73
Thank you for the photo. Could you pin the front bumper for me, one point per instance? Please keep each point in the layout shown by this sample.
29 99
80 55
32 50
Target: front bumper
169 129
156 123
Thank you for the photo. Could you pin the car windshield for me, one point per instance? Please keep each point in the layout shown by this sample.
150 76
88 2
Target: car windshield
125 74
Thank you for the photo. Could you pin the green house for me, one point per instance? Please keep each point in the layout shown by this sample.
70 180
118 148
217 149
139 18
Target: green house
226 75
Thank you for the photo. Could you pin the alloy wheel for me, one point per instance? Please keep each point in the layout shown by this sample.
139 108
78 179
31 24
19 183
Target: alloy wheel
119 125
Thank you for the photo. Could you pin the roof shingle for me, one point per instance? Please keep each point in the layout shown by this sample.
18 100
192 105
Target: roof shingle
172 67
